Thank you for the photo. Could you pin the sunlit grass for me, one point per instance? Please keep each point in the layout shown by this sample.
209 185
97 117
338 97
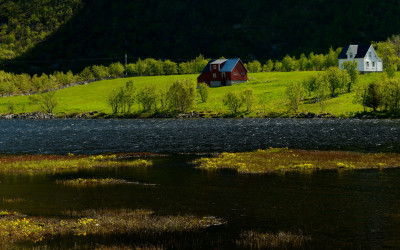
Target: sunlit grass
51 163
17 228
286 160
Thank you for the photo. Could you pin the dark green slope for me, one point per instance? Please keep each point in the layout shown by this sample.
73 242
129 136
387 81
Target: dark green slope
181 30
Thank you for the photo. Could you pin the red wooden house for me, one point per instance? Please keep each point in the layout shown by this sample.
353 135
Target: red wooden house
223 72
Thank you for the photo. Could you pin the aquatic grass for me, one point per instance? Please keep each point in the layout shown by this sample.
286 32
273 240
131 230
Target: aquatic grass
92 182
15 228
50 163
282 240
287 160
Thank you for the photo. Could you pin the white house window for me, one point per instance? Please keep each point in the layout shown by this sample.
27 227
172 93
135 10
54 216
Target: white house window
373 64
351 55
214 75
370 54
367 64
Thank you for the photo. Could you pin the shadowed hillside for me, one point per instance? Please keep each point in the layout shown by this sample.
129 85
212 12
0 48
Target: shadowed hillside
181 30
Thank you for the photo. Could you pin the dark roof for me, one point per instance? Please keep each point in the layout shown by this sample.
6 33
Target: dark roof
362 50
343 54
229 65
208 68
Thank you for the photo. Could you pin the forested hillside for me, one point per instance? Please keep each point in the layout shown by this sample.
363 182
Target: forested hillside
25 23
104 30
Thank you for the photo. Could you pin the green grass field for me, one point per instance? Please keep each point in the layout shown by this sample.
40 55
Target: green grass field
269 89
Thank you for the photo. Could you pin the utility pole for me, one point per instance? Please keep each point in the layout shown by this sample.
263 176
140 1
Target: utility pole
126 63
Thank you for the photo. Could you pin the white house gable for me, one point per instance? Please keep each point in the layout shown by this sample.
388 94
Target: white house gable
365 56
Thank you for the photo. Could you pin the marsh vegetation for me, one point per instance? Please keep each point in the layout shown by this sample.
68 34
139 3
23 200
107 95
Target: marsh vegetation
275 160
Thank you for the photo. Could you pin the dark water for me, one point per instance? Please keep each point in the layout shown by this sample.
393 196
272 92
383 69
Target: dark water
357 209
198 135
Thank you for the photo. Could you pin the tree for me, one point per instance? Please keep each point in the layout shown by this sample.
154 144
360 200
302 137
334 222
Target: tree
278 66
310 84
335 79
351 68
321 90
302 62
46 101
182 95
294 94
86 74
114 100
233 101
248 98
373 97
254 66
269 66
116 69
204 90
129 96
170 68
289 64
147 97
99 72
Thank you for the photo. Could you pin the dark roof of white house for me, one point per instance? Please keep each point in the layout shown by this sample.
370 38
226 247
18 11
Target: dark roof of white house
359 51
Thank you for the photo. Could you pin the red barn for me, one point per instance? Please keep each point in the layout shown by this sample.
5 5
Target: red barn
223 72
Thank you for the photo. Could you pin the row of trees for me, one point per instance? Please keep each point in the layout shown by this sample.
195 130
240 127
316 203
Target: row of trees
180 97
325 85
311 62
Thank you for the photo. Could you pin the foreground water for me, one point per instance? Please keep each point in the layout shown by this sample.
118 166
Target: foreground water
197 135
357 209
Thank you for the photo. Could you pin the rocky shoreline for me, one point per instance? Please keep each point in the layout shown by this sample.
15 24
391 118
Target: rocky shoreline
189 115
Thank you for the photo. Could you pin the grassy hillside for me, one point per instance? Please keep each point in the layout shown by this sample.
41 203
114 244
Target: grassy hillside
181 30
269 89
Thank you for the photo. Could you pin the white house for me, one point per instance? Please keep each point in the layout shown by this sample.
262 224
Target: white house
365 56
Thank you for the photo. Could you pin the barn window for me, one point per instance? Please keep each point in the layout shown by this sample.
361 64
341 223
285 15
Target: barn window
242 73
215 66
235 73
214 75
223 74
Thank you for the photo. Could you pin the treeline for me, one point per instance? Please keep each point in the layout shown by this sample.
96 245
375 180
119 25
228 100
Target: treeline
25 23
303 63
13 84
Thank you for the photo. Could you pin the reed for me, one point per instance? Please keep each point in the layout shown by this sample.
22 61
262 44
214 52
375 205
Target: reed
287 160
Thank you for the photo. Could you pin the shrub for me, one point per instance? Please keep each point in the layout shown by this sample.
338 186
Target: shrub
116 69
248 98
182 95
233 100
294 94
204 90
